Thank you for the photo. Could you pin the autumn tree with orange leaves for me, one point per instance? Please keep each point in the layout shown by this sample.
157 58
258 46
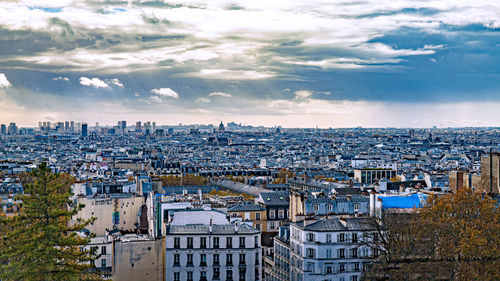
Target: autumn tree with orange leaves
452 237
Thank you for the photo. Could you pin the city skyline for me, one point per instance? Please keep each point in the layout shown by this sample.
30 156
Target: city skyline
301 64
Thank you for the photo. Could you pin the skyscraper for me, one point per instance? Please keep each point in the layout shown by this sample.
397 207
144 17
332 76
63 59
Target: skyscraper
12 128
490 173
3 129
138 126
85 130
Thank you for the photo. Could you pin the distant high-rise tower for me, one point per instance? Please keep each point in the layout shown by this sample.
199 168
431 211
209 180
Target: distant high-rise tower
154 126
138 126
85 130
3 129
490 173
66 126
72 125
12 130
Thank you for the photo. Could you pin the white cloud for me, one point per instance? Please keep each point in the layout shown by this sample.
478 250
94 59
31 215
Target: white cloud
93 82
220 94
165 92
116 82
302 94
203 100
60 78
4 83
229 74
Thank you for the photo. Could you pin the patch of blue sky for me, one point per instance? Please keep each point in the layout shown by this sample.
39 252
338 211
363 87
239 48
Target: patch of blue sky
47 9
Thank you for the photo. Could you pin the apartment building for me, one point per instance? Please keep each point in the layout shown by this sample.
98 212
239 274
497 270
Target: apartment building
328 249
212 252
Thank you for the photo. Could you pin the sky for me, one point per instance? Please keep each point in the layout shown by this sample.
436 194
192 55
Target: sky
301 63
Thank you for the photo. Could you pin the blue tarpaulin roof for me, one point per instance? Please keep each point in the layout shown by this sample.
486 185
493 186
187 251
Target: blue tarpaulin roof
403 202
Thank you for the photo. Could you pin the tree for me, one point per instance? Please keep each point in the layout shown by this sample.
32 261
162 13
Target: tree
452 237
39 243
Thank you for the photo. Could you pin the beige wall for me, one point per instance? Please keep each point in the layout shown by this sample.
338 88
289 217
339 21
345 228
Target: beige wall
102 208
138 260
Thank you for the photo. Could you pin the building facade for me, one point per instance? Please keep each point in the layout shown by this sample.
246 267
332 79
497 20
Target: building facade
212 252
113 211
250 212
328 249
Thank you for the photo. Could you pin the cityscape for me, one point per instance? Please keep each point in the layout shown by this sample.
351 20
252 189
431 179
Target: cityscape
225 140
233 202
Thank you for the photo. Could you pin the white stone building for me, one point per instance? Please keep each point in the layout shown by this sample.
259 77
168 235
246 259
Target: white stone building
211 251
328 249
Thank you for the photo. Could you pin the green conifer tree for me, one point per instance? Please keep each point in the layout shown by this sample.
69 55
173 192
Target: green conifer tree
38 243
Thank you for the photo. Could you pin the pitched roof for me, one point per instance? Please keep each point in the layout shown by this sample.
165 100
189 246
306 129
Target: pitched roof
275 198
216 229
245 208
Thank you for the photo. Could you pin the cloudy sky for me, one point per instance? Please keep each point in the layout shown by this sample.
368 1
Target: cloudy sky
301 63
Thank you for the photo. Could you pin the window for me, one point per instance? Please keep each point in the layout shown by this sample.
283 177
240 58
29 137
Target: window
177 276
341 237
203 242
203 276
229 242
216 273
103 263
310 252
257 216
272 214
257 225
177 242
329 269
375 236
316 207
354 238
216 242
216 259
354 253
242 242
256 241
310 237
328 253
242 259
354 278
356 267
189 276
329 207
310 266
341 267
229 274
177 260
375 252
281 214
189 260
242 273
103 250
328 238
356 207
341 253
190 242
203 259
229 259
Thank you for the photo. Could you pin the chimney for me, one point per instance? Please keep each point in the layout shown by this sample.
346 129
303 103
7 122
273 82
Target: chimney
236 227
210 227
372 203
